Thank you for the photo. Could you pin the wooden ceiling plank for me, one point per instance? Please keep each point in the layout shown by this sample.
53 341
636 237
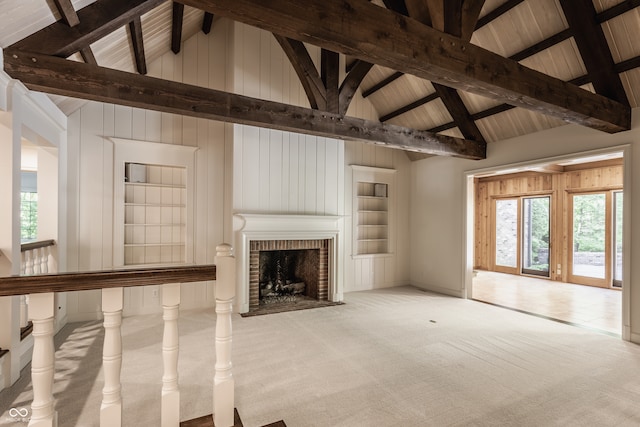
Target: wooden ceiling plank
137 42
176 26
207 22
497 12
351 82
374 34
44 73
96 21
68 12
373 89
329 73
306 70
594 49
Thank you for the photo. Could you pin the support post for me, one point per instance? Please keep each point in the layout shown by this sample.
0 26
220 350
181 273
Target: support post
111 408
43 413
170 415
223 384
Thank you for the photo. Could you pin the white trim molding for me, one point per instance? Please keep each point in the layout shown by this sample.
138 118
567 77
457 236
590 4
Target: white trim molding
248 227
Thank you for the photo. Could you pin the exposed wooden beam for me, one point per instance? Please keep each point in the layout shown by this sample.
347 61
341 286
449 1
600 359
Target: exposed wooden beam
461 117
373 89
396 5
306 70
409 107
88 56
374 34
470 12
351 83
207 22
617 10
137 42
542 45
44 73
594 49
329 70
96 21
497 12
628 64
176 27
68 12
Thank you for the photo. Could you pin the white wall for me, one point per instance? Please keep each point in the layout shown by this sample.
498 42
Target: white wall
90 174
281 172
438 204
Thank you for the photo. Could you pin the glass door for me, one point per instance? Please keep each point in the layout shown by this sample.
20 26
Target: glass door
590 246
617 239
506 235
536 222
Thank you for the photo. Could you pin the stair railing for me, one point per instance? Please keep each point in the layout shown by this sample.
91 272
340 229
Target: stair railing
41 290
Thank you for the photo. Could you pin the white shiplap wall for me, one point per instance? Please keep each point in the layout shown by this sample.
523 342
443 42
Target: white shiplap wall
90 214
281 172
238 168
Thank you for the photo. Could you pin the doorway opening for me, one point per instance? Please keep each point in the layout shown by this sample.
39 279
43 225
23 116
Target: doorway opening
548 239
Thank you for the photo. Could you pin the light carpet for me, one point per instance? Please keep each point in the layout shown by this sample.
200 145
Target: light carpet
392 357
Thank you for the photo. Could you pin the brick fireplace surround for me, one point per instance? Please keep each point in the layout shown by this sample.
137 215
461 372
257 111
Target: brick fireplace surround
255 246
256 232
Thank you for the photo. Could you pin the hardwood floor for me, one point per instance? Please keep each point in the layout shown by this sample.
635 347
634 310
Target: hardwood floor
586 306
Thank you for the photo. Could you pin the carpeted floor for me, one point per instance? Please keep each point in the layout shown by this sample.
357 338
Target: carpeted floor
395 357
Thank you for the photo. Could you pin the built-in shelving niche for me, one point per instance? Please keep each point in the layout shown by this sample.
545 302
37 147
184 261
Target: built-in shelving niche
373 192
153 192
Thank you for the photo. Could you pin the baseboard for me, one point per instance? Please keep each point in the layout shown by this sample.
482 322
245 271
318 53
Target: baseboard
634 338
439 290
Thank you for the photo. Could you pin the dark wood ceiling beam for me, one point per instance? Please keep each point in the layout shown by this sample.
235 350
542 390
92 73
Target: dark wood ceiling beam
96 21
594 49
88 56
44 73
306 70
70 16
543 45
384 82
137 42
459 113
351 82
377 35
68 12
207 22
415 104
329 73
397 6
497 12
617 10
176 27
628 64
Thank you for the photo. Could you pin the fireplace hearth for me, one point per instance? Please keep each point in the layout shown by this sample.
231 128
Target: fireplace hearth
307 242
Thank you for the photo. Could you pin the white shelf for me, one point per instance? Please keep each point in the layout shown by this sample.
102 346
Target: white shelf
371 227
150 245
155 185
156 205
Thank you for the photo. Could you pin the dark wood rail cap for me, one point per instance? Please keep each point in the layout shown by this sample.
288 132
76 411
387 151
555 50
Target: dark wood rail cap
36 245
65 282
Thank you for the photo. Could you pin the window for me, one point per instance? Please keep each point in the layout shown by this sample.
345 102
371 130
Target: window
28 206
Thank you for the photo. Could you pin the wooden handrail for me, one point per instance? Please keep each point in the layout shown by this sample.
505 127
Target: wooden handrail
36 245
65 282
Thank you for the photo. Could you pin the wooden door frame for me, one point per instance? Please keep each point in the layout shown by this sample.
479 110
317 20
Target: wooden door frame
495 267
585 280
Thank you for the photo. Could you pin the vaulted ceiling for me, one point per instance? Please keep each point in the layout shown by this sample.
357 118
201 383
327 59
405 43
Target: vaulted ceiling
445 76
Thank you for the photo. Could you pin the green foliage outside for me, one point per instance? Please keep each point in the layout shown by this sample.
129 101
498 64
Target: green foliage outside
589 223
28 216
539 224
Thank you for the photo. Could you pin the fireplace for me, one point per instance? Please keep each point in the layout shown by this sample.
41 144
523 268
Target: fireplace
290 257
286 271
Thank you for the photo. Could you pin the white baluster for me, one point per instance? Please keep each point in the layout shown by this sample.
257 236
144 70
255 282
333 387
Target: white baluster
44 259
35 256
111 408
43 413
23 266
28 255
170 415
24 311
223 384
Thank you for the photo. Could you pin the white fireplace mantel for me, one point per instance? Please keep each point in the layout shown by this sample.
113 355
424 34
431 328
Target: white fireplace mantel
250 227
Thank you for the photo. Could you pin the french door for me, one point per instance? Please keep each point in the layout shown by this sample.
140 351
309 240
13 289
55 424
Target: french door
521 235
595 245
